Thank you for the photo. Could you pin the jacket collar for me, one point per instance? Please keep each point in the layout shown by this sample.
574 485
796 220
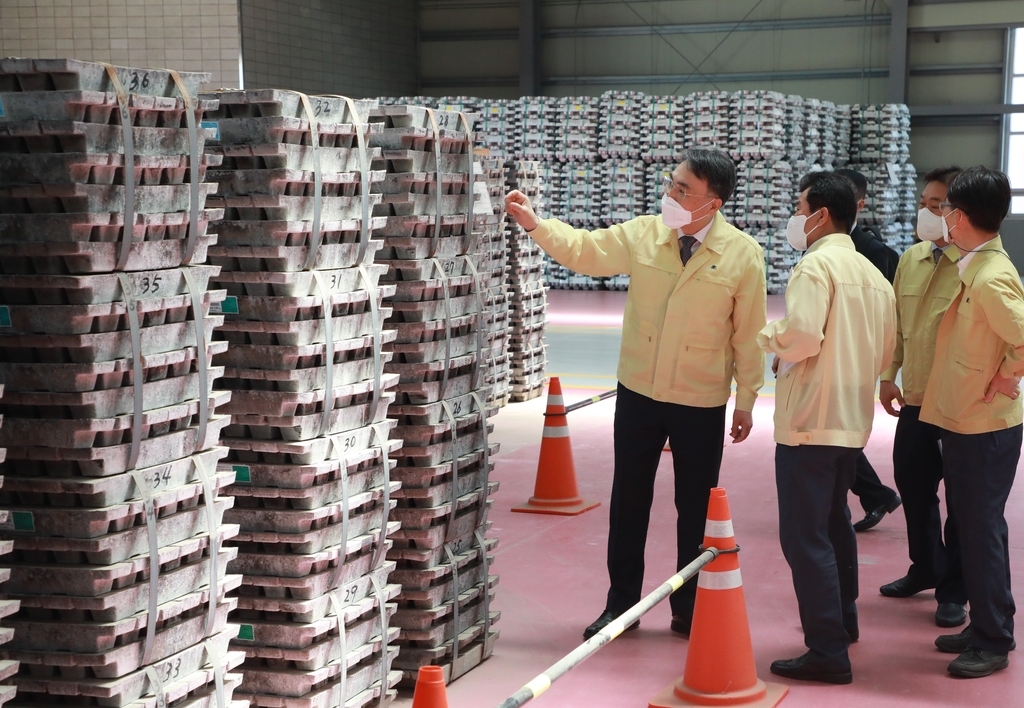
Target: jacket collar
949 252
991 249
715 240
839 240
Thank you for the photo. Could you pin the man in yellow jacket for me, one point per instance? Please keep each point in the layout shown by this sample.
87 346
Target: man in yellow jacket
837 337
974 397
927 279
696 303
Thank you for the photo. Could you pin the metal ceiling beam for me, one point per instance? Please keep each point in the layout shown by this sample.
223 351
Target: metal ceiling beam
723 78
896 92
529 47
967 109
952 69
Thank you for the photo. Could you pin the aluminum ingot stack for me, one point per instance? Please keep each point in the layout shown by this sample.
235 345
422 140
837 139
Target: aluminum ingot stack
309 439
441 321
527 292
579 127
500 130
493 238
707 120
109 422
662 129
757 126
8 668
621 118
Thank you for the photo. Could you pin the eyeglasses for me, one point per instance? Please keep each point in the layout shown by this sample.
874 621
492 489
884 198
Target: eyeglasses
671 185
947 205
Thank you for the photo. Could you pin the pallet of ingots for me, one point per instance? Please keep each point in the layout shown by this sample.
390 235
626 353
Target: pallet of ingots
539 129
908 193
622 190
493 236
879 132
8 668
843 127
655 175
885 185
707 120
661 128
579 127
757 125
621 119
500 127
529 364
116 506
309 440
763 194
814 138
444 326
796 126
554 176
780 256
582 194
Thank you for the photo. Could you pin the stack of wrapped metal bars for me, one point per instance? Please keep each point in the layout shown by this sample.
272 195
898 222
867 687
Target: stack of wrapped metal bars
492 238
309 439
441 320
109 423
527 292
8 668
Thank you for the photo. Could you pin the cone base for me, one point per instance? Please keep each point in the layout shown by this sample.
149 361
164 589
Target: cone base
569 509
668 698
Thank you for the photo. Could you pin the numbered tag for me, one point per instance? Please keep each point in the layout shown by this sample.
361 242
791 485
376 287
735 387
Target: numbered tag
5 316
23 521
246 633
1 107
211 125
242 474
228 307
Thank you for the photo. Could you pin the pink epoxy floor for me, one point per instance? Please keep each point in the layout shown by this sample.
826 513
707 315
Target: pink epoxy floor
553 578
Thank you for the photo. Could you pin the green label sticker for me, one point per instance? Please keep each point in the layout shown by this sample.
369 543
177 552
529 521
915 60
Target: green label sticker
230 305
5 316
23 521
1 108
214 125
245 633
242 473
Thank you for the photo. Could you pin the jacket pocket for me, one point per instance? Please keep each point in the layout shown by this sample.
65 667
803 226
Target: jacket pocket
639 348
701 365
963 386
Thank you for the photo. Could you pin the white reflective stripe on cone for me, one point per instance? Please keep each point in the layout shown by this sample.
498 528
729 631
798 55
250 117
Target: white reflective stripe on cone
556 401
719 580
718 529
556 431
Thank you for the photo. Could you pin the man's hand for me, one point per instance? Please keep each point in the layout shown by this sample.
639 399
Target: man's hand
742 422
887 392
775 366
518 206
1009 387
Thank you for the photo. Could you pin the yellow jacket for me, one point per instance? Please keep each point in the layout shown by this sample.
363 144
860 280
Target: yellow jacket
924 290
687 332
981 333
838 336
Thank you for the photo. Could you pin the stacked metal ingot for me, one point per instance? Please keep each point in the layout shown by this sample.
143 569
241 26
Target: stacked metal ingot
109 420
621 119
500 127
309 439
527 292
707 120
8 668
443 331
662 128
757 126
492 239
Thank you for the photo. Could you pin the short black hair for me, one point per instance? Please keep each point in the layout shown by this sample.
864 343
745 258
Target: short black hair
714 167
810 178
943 174
835 193
983 195
860 182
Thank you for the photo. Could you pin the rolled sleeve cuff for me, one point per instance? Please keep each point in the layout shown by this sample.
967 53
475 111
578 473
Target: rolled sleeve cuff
745 401
890 373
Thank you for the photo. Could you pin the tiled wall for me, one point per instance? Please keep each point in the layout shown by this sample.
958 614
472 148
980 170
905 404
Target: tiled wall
187 35
357 48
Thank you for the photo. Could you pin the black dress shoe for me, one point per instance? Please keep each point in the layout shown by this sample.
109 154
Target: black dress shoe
950 614
960 642
603 621
807 668
976 663
872 518
905 587
681 625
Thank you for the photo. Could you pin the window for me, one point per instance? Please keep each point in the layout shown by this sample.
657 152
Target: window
1014 125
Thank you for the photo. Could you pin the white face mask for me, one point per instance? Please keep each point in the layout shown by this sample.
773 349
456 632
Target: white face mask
674 215
930 226
946 229
795 231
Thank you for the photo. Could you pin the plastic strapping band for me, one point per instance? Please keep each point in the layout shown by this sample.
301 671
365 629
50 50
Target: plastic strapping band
371 295
138 378
193 151
455 601
364 180
154 564
339 612
486 459
314 136
469 155
435 239
481 541
478 284
204 386
328 308
128 233
447 325
216 660
336 453
382 440
158 687
379 591
213 528
455 470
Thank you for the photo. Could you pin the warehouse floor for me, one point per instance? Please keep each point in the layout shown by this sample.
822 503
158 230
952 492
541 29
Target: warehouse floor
553 578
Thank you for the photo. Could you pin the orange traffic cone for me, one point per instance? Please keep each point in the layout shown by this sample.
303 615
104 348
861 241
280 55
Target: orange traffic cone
430 692
555 491
720 660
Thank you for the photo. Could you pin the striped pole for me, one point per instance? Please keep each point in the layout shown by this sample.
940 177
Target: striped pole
590 401
584 651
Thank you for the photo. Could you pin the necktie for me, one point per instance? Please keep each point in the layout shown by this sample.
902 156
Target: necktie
687 245
936 254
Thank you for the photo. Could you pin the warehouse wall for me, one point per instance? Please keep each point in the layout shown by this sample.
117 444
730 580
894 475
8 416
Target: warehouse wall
188 35
350 47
